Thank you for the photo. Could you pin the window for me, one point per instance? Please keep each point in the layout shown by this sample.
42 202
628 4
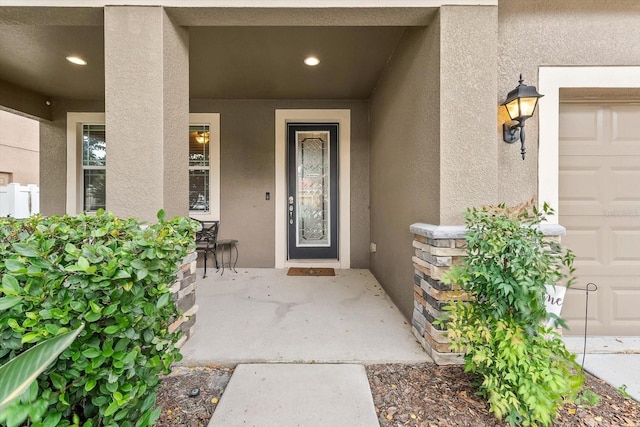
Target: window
199 168
94 162
86 164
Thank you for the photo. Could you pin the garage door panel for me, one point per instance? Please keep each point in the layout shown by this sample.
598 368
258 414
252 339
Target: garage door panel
599 204
580 123
626 247
585 243
580 188
624 180
626 298
625 129
573 311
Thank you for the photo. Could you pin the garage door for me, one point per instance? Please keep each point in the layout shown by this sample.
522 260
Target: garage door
600 207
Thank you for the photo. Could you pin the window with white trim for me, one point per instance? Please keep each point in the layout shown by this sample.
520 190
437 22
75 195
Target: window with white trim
199 169
86 164
94 167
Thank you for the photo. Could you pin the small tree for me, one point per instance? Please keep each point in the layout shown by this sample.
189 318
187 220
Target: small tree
524 369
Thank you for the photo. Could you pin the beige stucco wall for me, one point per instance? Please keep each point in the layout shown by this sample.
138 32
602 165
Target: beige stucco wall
19 148
468 75
547 33
433 150
53 153
405 154
146 111
247 172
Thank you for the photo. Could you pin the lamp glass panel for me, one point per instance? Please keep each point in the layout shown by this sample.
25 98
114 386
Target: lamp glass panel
513 109
528 106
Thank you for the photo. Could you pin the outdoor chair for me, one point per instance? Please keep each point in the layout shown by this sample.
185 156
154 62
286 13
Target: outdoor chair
207 241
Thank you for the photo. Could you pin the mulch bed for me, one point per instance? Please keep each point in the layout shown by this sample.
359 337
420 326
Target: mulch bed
423 395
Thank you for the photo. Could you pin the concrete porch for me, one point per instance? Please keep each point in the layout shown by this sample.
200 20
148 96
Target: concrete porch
265 316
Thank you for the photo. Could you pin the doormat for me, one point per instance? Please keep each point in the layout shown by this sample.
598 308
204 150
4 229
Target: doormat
306 271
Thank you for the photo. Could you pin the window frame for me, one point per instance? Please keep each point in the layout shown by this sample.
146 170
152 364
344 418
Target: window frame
84 167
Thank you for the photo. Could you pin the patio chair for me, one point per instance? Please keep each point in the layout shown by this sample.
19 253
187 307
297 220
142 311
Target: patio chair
207 241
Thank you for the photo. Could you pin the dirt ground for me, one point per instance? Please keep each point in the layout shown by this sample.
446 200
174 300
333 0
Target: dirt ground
423 395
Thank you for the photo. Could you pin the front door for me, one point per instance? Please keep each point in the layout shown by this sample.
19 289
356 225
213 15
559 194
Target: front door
312 201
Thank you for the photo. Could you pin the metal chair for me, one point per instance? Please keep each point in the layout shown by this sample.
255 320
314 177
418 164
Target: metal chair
207 241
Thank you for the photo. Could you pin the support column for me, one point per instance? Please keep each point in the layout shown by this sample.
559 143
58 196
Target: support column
147 112
436 249
468 109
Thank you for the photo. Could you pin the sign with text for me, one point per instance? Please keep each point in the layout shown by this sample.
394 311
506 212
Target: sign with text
553 299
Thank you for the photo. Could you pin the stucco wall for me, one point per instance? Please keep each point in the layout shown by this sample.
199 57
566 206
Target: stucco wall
19 148
405 153
247 172
53 153
534 33
468 74
146 112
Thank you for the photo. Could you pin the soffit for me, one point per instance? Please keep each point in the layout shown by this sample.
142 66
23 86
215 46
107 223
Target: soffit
267 62
248 61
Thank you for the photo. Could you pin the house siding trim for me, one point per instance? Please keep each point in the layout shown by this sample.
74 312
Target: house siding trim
550 80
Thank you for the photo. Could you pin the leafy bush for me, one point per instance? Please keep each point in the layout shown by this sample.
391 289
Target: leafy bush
524 367
18 377
111 274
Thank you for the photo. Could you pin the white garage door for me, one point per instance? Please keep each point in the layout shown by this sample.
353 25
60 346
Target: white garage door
600 207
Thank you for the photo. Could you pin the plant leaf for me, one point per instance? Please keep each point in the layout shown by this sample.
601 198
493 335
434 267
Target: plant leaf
18 374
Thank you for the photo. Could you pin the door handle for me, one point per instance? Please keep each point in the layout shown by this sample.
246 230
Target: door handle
290 209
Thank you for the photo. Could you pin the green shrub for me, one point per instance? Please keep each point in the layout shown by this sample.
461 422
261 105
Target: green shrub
111 274
18 378
524 368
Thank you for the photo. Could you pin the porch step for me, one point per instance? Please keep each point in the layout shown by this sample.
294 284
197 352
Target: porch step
309 395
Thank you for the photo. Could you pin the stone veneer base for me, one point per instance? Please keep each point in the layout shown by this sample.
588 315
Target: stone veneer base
184 294
436 249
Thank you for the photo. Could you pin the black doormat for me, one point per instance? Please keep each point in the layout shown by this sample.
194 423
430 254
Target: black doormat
310 271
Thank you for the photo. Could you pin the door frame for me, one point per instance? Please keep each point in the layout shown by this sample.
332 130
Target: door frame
343 118
550 81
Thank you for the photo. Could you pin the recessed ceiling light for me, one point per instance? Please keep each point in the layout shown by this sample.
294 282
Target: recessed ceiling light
76 60
311 61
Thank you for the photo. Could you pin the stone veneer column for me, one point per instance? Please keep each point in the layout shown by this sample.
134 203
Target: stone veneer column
184 294
437 248
146 112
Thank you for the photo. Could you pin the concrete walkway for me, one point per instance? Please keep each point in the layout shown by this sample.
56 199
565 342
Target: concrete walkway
616 360
276 395
265 316
299 343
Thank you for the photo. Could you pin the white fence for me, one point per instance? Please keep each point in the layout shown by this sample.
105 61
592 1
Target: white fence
19 201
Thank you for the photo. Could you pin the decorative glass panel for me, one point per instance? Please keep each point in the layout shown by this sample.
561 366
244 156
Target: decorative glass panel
313 175
199 188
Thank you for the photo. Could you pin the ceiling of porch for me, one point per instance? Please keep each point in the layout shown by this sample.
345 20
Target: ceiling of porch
226 62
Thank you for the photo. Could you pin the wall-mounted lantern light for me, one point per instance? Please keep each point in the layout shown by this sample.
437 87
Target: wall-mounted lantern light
520 104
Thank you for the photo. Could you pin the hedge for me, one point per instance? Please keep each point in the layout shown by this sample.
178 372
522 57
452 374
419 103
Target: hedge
113 275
